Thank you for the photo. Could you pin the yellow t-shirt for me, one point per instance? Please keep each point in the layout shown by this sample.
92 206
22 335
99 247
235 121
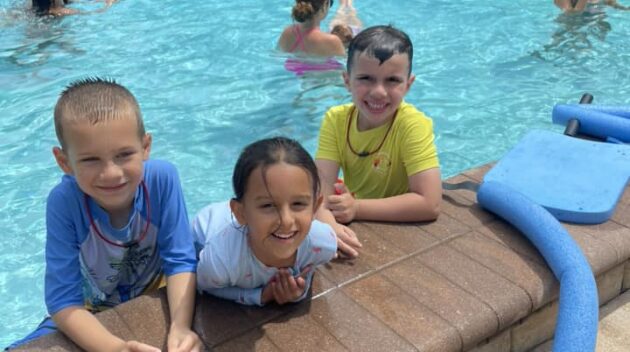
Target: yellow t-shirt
408 149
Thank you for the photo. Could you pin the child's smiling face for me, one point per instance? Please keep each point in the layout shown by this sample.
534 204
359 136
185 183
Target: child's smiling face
278 207
107 160
378 88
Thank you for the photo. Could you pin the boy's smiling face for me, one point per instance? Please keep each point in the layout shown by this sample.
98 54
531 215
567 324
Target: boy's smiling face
378 88
107 160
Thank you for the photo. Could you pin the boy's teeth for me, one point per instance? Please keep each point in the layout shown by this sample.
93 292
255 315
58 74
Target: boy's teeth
376 106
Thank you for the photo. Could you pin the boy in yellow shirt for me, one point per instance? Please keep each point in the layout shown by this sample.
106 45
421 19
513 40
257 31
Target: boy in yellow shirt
384 146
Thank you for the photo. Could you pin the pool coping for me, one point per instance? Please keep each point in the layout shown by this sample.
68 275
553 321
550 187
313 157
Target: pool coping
465 282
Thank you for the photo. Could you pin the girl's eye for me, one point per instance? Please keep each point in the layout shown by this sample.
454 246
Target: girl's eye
267 205
395 80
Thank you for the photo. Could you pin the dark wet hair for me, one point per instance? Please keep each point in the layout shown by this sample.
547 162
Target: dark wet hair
380 42
304 10
42 7
95 100
267 152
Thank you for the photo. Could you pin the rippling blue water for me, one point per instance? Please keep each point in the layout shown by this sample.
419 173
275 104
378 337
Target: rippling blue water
209 81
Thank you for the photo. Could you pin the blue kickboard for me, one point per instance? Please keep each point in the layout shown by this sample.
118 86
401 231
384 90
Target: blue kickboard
576 180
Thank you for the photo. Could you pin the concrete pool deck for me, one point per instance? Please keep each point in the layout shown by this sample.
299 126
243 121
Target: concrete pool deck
466 282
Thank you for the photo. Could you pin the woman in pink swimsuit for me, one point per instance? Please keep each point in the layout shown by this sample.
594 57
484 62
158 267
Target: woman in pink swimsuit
305 35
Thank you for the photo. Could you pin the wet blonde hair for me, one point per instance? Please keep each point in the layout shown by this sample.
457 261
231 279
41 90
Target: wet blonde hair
95 100
304 10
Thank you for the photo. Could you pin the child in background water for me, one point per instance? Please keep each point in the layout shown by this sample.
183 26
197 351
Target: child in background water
264 245
346 25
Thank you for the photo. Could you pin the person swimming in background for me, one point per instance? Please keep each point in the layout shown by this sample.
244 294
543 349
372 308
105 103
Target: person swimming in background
306 36
52 8
57 8
588 6
346 25
306 39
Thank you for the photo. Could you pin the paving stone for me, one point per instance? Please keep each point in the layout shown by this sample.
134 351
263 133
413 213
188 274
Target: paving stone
537 280
147 317
478 173
535 329
405 315
473 319
254 340
616 235
461 206
407 238
297 331
445 227
55 342
354 327
609 284
217 320
601 255
499 343
508 301
626 276
508 236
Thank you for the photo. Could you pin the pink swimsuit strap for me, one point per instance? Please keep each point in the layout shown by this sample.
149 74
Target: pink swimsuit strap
299 38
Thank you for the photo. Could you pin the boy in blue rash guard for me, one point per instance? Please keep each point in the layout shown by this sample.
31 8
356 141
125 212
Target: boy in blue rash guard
116 223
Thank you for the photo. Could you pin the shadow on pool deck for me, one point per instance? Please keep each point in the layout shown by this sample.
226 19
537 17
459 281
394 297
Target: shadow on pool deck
466 282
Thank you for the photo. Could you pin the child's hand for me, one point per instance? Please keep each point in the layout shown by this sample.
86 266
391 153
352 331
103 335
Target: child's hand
342 204
135 346
287 288
182 339
347 241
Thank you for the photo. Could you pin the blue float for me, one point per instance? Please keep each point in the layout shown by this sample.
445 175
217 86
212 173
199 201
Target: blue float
596 120
549 176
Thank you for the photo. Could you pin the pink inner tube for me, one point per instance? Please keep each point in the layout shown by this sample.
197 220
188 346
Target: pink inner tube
300 67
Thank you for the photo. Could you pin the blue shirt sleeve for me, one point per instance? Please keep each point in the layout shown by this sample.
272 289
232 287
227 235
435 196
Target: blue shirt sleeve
169 211
63 281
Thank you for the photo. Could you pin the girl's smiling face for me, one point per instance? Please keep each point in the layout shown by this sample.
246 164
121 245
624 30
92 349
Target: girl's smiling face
278 207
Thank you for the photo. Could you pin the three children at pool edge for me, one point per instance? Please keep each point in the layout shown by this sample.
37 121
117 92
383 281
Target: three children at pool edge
117 225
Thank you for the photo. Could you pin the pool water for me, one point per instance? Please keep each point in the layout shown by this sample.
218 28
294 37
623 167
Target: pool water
209 81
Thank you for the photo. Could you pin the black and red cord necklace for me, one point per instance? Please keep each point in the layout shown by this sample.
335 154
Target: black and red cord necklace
366 153
117 244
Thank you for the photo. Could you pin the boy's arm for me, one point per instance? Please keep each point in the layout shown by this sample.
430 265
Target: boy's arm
180 289
176 249
347 241
421 203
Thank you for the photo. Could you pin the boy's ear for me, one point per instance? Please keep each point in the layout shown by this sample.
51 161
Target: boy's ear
410 81
146 146
237 210
62 160
346 79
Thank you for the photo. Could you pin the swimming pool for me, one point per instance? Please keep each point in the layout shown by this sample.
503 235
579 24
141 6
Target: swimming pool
209 81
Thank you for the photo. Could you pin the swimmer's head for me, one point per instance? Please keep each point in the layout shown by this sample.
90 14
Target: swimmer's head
381 43
306 10
343 32
42 7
